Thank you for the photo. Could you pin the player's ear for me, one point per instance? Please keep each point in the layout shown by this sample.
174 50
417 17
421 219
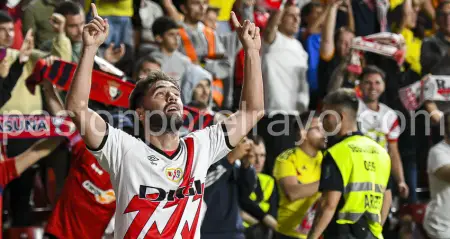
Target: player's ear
158 39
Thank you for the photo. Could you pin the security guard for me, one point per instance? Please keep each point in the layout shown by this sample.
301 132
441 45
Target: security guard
355 176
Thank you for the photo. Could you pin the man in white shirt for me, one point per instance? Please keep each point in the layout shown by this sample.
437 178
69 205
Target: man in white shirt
284 65
380 122
159 178
437 216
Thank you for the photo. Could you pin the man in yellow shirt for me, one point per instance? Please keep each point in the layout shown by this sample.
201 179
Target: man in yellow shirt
297 172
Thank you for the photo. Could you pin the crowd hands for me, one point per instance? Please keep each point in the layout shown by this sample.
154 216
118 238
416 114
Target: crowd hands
210 76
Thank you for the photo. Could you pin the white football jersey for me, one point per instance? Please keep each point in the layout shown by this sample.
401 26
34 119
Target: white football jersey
160 196
382 125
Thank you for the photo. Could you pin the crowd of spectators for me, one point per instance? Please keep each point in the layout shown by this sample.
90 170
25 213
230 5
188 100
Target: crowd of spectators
307 52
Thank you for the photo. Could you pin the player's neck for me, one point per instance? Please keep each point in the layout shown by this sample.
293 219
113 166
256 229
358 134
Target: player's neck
190 22
373 105
308 149
165 142
348 128
167 52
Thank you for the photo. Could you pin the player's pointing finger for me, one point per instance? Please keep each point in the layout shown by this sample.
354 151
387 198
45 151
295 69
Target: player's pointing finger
94 10
235 21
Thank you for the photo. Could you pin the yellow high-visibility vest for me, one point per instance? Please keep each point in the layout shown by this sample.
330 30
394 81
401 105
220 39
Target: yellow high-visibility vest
365 167
267 184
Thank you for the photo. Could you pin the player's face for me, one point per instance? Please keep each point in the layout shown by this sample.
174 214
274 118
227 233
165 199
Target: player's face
344 42
210 19
74 27
315 134
259 152
316 12
202 93
164 106
195 9
6 34
290 22
170 40
372 87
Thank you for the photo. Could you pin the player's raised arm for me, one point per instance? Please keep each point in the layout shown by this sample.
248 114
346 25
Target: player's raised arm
251 107
91 126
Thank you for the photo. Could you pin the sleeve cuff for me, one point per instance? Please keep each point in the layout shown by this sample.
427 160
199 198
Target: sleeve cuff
225 133
102 144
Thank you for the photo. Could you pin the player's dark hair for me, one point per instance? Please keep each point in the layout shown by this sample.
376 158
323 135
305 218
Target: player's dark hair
142 87
305 122
344 99
372 69
68 8
5 17
142 61
163 25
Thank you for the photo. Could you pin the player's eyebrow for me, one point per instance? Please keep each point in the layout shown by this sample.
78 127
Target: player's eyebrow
162 86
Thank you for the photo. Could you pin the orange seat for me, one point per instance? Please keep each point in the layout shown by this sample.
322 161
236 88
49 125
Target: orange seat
24 233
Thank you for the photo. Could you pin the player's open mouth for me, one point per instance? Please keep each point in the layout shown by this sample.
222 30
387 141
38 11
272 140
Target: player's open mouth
172 108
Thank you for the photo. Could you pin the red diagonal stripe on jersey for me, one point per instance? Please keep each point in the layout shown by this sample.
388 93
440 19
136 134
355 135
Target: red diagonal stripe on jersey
145 210
186 233
175 220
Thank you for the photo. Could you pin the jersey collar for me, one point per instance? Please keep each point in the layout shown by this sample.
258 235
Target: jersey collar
164 153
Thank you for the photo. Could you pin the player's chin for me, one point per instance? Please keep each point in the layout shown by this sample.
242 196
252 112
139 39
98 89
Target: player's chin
172 114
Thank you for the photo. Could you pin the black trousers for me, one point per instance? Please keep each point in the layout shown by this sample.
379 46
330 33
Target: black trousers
278 134
20 189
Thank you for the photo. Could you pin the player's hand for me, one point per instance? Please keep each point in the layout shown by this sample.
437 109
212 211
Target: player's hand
27 46
403 190
250 158
96 31
49 60
248 34
241 150
58 22
114 55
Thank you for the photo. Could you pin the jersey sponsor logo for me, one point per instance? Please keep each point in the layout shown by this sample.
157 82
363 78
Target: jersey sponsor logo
152 159
101 196
149 199
174 174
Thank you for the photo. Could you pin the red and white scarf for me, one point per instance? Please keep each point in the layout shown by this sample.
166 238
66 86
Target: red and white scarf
384 43
435 88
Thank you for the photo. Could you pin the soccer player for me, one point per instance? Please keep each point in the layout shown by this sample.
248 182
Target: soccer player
380 122
159 179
